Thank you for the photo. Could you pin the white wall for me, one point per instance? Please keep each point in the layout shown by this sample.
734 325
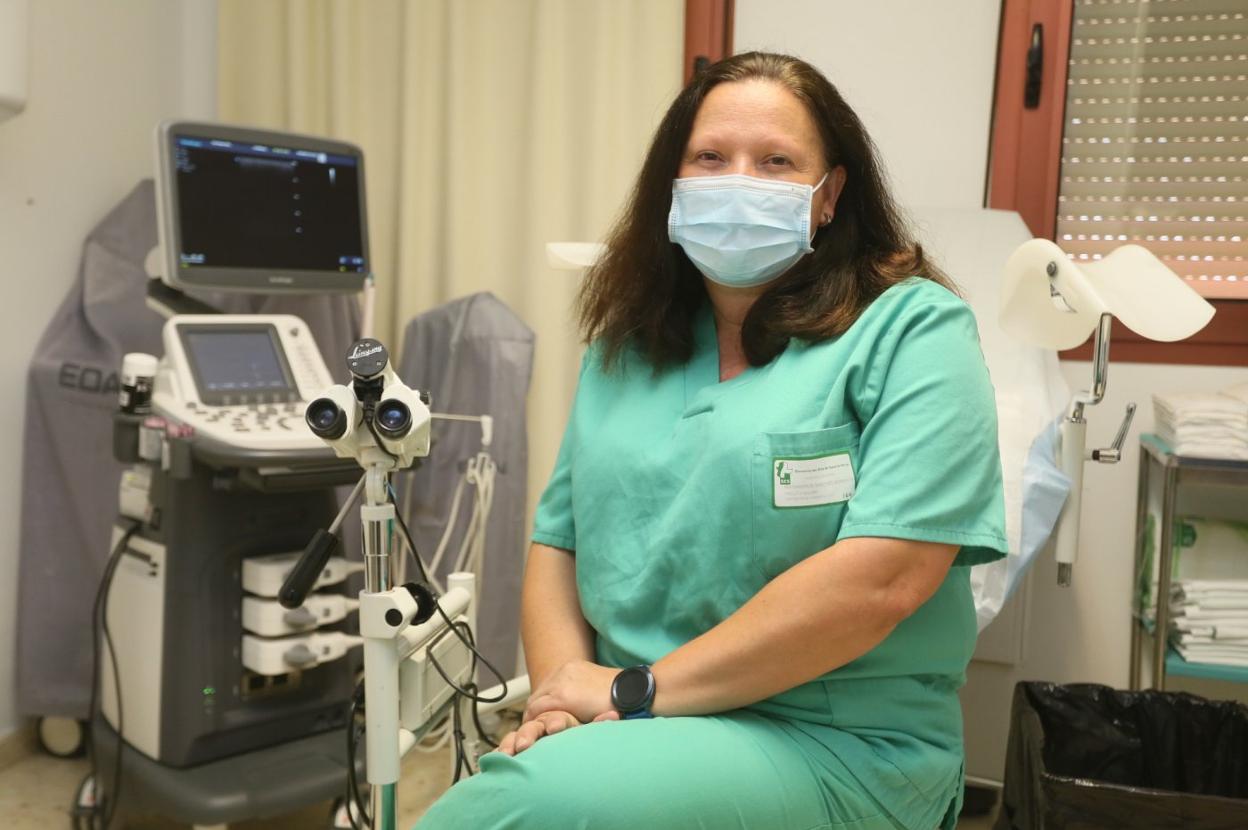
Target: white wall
919 75
101 76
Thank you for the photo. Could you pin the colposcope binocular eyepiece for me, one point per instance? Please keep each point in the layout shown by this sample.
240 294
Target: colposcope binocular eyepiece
334 414
326 419
393 419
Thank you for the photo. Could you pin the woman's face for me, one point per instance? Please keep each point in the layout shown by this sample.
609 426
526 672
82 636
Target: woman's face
758 128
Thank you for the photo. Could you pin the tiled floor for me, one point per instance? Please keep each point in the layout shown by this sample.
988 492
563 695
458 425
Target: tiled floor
35 794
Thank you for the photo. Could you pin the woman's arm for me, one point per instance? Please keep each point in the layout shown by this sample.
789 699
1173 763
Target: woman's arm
822 613
555 633
551 623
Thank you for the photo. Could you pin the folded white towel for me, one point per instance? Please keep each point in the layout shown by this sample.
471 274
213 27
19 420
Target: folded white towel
1214 584
1181 590
1193 638
1234 450
1204 424
1231 616
1239 661
1217 604
1200 404
1199 628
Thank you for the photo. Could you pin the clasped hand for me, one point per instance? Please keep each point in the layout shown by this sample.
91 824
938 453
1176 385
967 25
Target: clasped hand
576 693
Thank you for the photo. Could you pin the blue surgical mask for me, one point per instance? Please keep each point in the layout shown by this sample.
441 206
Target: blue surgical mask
738 230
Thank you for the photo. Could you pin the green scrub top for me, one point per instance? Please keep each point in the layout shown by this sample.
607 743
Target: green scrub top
682 496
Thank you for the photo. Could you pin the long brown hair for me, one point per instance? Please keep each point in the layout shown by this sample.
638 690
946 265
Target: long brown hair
644 292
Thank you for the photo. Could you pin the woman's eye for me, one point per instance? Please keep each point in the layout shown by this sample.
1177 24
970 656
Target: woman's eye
778 161
707 155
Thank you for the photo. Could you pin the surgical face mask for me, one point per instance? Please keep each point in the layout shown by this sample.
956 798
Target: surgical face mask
741 231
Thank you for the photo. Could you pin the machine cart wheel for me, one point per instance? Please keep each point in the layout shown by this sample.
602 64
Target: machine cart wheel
84 804
61 737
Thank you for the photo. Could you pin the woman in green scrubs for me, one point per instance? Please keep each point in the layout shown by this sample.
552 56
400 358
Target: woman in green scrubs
781 460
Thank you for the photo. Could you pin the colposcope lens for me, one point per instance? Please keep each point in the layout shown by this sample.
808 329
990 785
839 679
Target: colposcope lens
394 419
326 419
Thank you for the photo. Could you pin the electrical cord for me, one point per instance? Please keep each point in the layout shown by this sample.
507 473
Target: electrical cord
99 620
368 419
476 719
464 633
452 625
355 799
461 757
480 473
407 538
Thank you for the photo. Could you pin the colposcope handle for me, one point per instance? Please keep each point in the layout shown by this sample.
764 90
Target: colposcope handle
302 578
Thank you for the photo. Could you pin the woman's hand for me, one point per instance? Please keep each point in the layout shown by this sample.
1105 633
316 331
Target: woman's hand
531 731
579 688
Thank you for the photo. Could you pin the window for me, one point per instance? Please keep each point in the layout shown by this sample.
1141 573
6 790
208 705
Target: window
1139 134
1156 143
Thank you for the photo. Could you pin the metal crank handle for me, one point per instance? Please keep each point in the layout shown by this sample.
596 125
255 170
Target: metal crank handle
1113 453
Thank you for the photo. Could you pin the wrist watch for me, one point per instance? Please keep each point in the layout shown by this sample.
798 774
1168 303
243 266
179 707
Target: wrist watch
632 692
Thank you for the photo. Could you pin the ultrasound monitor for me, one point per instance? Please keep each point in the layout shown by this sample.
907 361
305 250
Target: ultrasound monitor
257 211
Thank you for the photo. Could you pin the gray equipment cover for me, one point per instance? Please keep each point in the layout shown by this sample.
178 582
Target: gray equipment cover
69 476
475 357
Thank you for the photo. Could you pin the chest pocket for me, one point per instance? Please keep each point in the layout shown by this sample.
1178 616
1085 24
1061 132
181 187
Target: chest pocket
800 485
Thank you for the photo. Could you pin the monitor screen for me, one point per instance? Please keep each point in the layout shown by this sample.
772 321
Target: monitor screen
237 364
254 211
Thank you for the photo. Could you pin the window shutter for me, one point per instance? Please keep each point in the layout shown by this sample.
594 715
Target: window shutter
1155 149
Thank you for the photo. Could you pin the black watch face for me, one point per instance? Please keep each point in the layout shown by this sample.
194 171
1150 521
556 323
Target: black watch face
631 689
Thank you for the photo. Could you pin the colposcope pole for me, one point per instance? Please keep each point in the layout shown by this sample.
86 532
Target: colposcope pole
381 658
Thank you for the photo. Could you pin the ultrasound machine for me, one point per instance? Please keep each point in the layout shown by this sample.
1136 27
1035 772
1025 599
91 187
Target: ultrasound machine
230 705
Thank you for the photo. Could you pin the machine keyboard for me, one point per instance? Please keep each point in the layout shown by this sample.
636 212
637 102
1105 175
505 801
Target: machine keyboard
255 426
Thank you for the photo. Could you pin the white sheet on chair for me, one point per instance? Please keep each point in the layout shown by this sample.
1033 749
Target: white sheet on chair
971 245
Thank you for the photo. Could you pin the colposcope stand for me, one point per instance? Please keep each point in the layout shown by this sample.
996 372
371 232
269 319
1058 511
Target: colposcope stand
379 606
385 612
395 623
412 669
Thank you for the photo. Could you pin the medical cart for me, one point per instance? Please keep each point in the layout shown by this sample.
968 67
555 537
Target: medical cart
1176 474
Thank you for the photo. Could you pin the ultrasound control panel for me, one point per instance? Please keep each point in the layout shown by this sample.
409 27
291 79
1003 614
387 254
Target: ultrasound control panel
243 380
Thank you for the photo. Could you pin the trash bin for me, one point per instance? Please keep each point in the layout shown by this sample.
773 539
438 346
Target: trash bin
1085 756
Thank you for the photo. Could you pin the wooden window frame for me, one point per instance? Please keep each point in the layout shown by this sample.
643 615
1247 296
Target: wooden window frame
708 33
1025 167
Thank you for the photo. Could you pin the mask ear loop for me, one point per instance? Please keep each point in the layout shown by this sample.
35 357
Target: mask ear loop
812 193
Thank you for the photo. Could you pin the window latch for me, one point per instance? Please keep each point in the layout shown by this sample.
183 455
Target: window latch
1035 68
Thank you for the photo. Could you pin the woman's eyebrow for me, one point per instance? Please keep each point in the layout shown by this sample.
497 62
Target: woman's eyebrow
770 143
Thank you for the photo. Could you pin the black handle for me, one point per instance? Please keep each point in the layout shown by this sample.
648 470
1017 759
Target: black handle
426 602
303 576
1035 68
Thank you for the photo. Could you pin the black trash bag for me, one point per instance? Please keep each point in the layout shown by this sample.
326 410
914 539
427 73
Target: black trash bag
1086 756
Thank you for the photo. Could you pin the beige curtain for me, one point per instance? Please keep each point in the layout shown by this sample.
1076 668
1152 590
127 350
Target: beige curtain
489 128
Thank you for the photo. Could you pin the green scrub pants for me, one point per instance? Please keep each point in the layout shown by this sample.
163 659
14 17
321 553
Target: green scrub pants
736 770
